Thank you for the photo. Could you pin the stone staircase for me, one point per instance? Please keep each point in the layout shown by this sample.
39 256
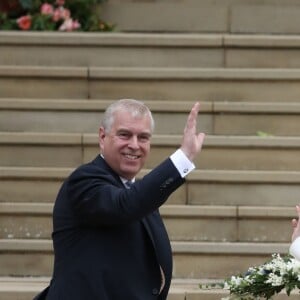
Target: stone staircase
234 210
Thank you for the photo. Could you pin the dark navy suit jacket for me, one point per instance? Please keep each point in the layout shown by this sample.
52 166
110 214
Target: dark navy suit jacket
110 241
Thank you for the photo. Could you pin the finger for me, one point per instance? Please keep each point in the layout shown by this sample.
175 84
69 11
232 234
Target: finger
195 110
298 210
193 115
197 107
201 137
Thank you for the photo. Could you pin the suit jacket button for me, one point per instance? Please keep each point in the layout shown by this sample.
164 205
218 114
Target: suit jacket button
155 291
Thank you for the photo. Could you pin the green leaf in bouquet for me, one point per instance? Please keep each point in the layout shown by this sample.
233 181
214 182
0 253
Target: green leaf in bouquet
26 4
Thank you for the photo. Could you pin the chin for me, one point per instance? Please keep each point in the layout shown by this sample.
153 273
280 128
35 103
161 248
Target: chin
131 173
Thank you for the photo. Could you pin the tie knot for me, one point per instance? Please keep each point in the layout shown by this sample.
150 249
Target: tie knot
128 184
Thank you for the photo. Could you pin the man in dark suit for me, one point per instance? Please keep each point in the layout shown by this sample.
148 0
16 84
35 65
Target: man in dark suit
109 239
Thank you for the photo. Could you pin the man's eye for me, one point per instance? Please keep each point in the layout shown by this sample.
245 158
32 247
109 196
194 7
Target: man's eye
144 138
124 135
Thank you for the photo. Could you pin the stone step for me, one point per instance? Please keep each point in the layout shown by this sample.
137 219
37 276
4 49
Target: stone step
45 149
183 222
25 288
96 49
203 187
179 84
23 257
242 16
215 118
149 50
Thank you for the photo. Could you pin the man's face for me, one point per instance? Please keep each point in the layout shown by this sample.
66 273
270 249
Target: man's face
126 146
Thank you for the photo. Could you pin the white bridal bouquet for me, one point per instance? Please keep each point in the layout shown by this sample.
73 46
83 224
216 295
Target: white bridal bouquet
266 280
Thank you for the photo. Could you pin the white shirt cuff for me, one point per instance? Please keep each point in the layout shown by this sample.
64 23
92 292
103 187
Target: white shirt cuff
182 163
295 248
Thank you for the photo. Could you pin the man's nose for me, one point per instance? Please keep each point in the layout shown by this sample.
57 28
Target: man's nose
134 142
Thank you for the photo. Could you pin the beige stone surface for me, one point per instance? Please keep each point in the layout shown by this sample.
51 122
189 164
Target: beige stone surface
262 58
115 55
40 156
264 230
27 263
49 121
166 17
31 184
178 84
235 158
279 18
151 50
29 190
194 87
213 266
249 124
37 88
229 16
25 227
267 194
201 228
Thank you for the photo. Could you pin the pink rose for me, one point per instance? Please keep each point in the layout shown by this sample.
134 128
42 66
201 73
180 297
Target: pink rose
76 25
61 14
56 15
69 25
65 13
24 22
47 9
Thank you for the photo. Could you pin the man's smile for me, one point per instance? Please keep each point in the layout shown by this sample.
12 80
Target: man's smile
131 156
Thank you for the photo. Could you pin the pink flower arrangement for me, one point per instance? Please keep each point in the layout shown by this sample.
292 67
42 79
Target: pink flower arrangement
54 15
61 13
57 17
69 25
24 22
47 9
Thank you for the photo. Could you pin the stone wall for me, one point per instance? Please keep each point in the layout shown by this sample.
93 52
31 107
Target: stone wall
205 16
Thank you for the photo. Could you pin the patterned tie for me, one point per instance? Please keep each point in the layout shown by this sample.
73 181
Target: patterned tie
128 184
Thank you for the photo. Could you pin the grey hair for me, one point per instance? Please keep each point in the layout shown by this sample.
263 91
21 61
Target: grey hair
136 107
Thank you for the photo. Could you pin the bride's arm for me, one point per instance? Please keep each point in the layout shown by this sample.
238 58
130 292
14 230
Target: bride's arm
295 246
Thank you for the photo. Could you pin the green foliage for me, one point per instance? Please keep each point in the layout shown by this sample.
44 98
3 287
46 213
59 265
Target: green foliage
263 134
42 22
81 11
26 4
6 23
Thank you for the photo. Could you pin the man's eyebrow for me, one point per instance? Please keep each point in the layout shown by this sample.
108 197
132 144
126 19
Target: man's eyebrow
148 134
123 130
129 131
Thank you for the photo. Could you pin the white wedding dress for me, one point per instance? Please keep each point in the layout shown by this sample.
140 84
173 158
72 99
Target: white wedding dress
295 248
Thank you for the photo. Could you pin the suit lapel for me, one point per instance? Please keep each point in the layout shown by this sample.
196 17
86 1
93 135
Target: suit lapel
100 161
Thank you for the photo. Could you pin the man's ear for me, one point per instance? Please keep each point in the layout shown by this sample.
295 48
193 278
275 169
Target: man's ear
101 137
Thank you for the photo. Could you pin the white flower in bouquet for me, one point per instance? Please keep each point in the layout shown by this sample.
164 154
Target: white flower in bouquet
266 280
